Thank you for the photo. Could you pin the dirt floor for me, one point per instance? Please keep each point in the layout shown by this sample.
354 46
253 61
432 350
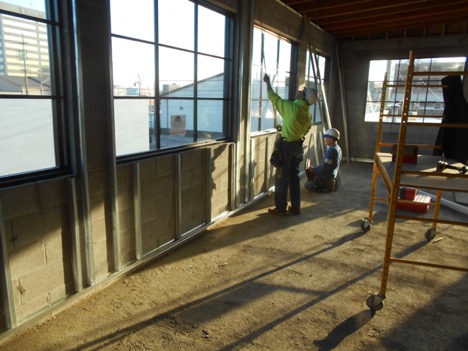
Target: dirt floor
259 282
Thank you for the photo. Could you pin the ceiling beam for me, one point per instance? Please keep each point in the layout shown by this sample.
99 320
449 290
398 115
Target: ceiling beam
389 10
410 19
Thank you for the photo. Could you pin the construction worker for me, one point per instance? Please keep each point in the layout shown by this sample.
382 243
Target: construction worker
297 121
324 177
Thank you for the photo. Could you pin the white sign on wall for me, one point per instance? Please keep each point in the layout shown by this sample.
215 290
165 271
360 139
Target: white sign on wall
178 125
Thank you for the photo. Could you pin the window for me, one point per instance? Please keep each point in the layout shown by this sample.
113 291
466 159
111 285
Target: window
30 99
171 87
315 76
271 55
426 96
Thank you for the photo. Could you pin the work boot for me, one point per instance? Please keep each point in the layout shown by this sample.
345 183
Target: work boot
276 212
331 184
294 211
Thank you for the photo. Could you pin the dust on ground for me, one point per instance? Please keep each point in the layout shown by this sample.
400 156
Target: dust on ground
259 282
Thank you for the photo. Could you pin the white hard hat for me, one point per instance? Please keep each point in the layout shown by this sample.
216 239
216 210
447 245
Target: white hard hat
332 133
311 95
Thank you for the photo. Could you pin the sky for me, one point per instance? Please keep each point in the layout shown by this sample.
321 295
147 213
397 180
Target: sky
32 4
176 20
134 62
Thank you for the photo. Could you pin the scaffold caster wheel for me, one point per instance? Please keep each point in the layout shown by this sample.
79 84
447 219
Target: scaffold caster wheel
366 225
375 302
430 234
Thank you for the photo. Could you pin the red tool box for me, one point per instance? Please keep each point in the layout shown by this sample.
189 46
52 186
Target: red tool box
420 203
407 193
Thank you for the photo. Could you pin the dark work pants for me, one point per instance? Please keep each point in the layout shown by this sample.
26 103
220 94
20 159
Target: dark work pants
287 178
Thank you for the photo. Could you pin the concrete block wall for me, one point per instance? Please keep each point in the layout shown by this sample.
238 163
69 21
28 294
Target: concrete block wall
38 238
263 172
221 179
126 208
194 188
101 224
158 196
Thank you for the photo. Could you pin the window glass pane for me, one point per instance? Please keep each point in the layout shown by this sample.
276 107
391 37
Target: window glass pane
26 66
271 55
29 139
270 117
136 21
211 32
270 52
257 48
34 8
263 116
27 136
210 77
322 63
176 23
176 72
316 111
284 61
315 77
133 68
132 125
176 120
210 120
257 86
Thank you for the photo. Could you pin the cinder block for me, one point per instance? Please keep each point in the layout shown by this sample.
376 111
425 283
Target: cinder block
149 210
165 166
127 220
18 202
58 248
22 231
98 183
150 190
166 187
98 208
52 194
166 209
27 260
193 159
147 171
127 245
40 288
27 309
164 239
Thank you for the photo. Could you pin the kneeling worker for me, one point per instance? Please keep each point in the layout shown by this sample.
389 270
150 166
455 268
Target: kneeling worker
324 177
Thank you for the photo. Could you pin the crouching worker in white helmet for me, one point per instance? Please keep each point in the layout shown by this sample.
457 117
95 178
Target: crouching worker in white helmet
323 178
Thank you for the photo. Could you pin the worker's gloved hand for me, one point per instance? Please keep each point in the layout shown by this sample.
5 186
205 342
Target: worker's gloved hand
266 78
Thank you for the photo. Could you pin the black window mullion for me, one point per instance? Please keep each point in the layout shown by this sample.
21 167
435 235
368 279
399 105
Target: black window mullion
195 75
157 95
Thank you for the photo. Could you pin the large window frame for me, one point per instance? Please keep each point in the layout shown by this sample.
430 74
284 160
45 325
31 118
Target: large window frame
427 103
271 54
183 103
32 98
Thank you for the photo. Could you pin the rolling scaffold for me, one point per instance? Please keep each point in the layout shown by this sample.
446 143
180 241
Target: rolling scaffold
427 173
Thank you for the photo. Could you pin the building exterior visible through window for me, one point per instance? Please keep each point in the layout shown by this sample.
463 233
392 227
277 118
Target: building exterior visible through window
28 97
171 87
426 95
